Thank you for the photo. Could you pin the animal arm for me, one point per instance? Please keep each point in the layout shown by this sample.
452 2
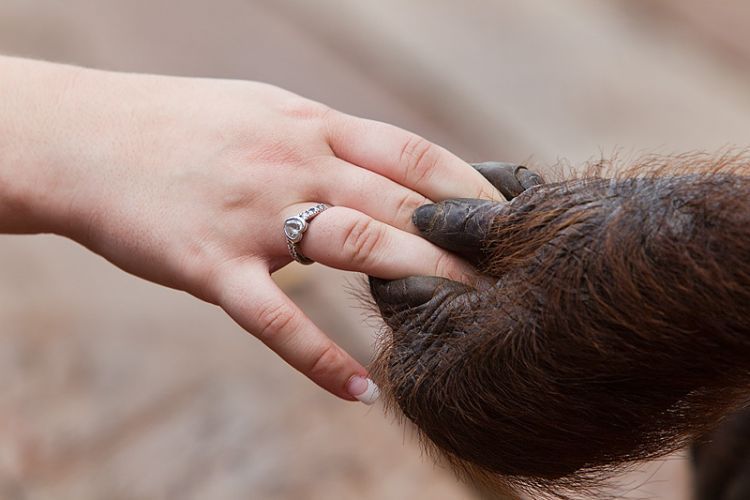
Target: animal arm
616 326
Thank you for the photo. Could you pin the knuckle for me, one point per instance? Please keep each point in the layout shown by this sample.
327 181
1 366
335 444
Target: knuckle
279 151
273 320
223 277
299 107
213 280
406 207
418 157
325 361
361 239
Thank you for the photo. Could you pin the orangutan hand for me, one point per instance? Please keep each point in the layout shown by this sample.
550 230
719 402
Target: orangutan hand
614 325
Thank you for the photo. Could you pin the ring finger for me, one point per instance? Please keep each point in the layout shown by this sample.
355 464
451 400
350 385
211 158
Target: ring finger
350 240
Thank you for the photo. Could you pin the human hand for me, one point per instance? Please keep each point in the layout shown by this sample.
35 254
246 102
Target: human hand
187 182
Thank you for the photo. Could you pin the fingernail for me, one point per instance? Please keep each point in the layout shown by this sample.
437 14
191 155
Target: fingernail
363 389
502 176
528 179
423 216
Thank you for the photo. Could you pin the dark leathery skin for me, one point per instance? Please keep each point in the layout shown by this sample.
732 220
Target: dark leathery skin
414 298
458 225
509 178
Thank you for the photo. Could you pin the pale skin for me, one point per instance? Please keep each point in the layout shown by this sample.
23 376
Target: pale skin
186 182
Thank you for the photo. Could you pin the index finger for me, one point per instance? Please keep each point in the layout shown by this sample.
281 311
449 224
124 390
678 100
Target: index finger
406 158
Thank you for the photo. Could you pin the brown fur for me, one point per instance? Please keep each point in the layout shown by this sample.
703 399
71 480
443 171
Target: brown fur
721 461
617 329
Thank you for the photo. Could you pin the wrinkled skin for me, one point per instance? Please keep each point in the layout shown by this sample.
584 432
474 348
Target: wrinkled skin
614 325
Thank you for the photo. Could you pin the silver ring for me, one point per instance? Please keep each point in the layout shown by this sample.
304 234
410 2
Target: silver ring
294 229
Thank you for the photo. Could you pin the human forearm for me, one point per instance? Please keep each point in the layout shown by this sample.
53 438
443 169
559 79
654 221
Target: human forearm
35 181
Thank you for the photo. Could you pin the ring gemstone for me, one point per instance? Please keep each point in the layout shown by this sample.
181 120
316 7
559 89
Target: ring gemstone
293 228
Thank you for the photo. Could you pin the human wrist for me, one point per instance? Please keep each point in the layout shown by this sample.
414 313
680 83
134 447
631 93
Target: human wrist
37 122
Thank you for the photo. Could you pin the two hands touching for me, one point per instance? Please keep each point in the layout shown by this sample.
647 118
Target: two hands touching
607 321
187 182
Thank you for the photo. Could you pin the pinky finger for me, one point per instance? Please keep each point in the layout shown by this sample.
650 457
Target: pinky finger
253 300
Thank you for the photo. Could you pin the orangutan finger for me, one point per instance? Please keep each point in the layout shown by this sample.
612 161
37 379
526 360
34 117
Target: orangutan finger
528 178
418 296
459 225
413 291
509 178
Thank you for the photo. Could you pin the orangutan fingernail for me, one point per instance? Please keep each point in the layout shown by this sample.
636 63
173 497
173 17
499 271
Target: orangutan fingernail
363 389
527 178
424 215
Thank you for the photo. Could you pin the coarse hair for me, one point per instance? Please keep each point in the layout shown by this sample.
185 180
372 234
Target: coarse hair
617 329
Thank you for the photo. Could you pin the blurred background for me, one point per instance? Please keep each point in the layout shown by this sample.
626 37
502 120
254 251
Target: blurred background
116 388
